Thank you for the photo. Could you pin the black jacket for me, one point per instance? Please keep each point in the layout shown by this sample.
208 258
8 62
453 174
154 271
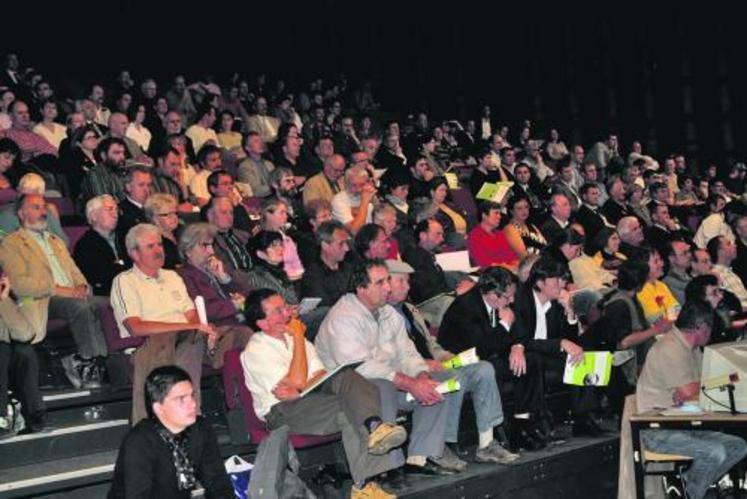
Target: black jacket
525 323
98 262
428 280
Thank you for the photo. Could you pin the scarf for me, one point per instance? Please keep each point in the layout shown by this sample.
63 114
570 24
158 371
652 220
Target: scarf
177 444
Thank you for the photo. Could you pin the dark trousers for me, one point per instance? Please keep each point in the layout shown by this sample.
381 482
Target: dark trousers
84 324
19 371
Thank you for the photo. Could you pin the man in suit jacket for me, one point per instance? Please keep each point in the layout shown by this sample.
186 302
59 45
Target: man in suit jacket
615 208
327 183
47 280
137 185
560 216
230 243
589 215
546 327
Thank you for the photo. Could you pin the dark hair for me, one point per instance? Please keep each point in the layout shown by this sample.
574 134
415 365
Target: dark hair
82 131
600 240
695 314
205 151
632 275
253 311
435 182
214 178
713 199
656 187
365 236
204 110
105 144
359 278
159 383
326 231
245 139
567 236
484 208
9 146
681 179
586 188
264 239
696 288
495 279
424 226
515 199
545 268
713 247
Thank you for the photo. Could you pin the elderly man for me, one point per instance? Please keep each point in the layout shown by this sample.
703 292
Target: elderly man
30 144
153 303
560 216
327 183
723 252
255 170
137 187
99 253
353 206
671 375
117 129
46 278
362 325
230 242
30 183
478 379
166 454
280 363
631 236
615 208
329 274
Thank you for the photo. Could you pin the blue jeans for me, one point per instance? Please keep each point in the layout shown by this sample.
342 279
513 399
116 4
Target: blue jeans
713 453
478 379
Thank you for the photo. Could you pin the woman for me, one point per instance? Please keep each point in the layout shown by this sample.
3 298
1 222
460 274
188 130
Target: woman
136 130
421 175
488 170
48 128
452 219
635 203
523 237
486 244
82 159
395 185
606 249
6 99
9 151
160 209
228 139
268 270
275 219
555 147
385 216
655 297
179 142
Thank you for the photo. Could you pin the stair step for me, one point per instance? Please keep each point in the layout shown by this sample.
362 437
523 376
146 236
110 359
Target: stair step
68 441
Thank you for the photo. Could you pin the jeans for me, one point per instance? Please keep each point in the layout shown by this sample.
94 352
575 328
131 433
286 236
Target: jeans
713 453
478 379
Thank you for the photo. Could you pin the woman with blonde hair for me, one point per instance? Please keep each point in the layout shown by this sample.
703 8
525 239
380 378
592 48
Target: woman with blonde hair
160 210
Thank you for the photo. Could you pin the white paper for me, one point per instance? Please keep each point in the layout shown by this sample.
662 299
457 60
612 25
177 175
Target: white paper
308 304
455 261
201 311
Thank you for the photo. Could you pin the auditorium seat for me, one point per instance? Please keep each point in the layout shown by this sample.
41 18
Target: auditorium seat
74 233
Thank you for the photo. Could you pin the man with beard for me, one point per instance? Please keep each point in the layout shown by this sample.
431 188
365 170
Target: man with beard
106 177
284 186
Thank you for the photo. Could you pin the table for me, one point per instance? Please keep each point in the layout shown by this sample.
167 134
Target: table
715 421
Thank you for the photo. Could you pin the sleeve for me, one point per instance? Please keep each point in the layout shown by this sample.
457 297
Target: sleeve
198 186
461 330
477 249
125 299
617 322
137 466
261 380
410 361
184 302
341 209
312 286
210 468
19 269
313 361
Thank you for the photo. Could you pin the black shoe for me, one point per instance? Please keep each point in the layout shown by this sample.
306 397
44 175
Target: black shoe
585 426
392 479
526 436
35 424
458 449
545 427
429 469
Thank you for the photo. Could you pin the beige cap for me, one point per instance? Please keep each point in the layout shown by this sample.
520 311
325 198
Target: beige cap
399 267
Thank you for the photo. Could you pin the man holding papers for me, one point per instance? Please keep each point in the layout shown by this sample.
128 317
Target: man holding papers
473 375
361 325
279 364
671 376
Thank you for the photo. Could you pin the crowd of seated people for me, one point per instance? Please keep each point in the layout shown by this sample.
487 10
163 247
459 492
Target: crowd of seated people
222 192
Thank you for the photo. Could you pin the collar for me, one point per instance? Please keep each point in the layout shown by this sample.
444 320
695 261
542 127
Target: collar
592 208
142 275
134 202
562 224
539 306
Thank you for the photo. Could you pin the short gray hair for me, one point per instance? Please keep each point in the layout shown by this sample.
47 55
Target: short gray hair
353 173
383 209
94 204
195 234
137 232
624 226
32 183
156 201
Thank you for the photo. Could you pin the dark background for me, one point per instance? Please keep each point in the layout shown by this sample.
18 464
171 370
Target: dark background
673 79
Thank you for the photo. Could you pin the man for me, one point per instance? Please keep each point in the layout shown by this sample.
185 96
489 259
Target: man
528 186
230 242
723 252
117 129
564 183
740 264
46 279
137 187
99 253
615 208
30 144
679 256
671 375
545 327
255 170
347 141
97 97
209 158
353 206
478 379
701 264
168 178
220 184
589 215
329 274
259 122
279 363
153 303
714 224
327 183
601 153
631 236
323 149
391 155
202 133
663 228
166 454
362 326
560 215
180 99
105 177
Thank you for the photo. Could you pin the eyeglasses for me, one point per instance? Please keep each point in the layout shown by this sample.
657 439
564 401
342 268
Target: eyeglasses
167 214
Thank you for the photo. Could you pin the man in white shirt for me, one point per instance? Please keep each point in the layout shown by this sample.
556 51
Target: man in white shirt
201 132
361 325
723 252
714 224
279 364
353 206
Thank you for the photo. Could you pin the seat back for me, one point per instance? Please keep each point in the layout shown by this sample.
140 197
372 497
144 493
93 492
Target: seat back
237 393
74 233
114 342
462 197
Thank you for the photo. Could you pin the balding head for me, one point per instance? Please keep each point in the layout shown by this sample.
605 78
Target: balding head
334 167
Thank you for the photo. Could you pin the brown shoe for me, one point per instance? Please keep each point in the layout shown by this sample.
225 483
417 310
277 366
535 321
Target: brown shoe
370 491
386 437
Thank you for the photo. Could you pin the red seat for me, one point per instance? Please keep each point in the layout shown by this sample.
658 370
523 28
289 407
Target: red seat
64 205
74 233
463 199
236 391
114 342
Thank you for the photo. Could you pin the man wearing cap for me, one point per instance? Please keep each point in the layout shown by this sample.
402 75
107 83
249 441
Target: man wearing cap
477 378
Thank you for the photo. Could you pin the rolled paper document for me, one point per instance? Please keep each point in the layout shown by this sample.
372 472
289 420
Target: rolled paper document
448 386
201 311
463 359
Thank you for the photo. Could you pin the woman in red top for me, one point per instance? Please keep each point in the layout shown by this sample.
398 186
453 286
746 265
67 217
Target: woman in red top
486 244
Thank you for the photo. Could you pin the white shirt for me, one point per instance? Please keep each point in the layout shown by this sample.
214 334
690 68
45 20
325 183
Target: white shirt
266 361
139 134
540 329
200 135
712 226
342 207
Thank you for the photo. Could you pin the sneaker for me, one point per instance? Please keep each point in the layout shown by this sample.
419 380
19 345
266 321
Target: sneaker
72 366
370 491
495 453
90 375
386 437
6 428
449 461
